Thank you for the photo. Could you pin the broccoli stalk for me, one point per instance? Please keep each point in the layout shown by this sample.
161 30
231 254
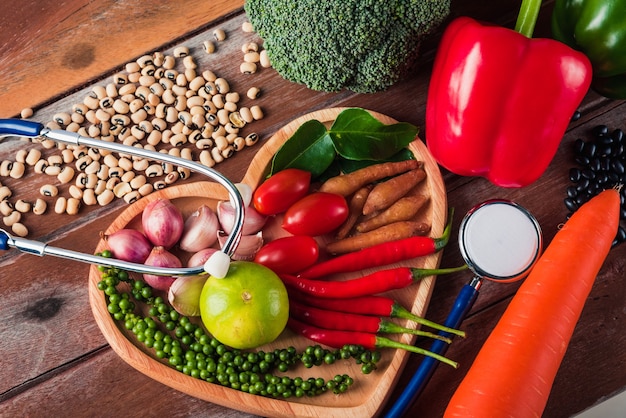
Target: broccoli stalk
330 45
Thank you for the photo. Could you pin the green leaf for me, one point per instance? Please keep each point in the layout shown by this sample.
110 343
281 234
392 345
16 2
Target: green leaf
357 135
309 148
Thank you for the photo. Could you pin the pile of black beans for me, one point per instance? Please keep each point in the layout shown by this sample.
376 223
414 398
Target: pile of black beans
600 164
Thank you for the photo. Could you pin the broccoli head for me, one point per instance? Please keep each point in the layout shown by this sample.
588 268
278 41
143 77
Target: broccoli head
329 45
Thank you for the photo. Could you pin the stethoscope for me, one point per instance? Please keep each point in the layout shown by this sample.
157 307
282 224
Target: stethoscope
217 265
500 241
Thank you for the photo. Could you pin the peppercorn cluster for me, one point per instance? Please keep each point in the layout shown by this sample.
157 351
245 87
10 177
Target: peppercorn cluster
187 347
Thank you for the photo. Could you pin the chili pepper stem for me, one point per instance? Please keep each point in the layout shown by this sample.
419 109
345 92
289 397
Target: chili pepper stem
388 343
442 241
399 311
393 328
527 17
419 274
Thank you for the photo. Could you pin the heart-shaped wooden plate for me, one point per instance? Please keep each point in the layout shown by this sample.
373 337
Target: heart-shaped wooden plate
369 393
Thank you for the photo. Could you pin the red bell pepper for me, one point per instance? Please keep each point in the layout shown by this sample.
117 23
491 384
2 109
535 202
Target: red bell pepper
500 101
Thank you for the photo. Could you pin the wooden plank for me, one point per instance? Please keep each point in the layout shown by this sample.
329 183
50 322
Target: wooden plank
48 49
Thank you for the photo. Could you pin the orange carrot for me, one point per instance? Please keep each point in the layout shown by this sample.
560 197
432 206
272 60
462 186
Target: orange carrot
513 373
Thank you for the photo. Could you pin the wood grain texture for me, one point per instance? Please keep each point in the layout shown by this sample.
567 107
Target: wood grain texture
49 48
369 393
59 361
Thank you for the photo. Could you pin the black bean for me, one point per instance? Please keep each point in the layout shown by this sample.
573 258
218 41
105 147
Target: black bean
618 135
579 146
572 192
617 166
571 204
574 174
588 174
583 184
590 149
581 160
576 116
600 130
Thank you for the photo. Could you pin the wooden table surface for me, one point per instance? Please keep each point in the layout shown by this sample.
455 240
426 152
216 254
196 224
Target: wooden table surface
55 361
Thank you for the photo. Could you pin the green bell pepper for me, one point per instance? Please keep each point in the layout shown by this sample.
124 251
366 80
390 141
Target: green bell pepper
598 29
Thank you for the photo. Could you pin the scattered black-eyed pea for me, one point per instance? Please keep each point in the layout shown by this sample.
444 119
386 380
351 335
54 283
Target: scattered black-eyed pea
19 229
257 112
5 168
60 205
138 181
251 139
217 155
40 206
52 170
17 170
248 68
100 187
206 159
72 206
49 190
67 174
181 51
125 163
246 114
239 143
103 172
67 155
26 113
105 197
253 93
33 156
183 173
208 46
76 192
141 165
252 56
264 59
132 197
6 208
23 206
122 189
5 193
89 197
21 155
172 177
228 152
160 185
219 34
11 218
236 120
128 176
246 26
230 106
146 189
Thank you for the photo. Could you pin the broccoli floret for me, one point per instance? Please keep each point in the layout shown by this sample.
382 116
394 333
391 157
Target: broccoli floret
328 45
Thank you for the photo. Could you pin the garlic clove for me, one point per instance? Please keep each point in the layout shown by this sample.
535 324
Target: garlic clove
184 294
248 246
253 221
217 265
246 194
200 230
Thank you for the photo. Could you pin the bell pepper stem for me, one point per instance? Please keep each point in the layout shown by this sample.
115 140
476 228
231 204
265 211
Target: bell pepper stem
527 17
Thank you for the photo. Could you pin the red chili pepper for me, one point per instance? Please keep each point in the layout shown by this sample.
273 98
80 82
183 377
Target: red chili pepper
381 254
344 321
337 339
377 282
499 101
378 306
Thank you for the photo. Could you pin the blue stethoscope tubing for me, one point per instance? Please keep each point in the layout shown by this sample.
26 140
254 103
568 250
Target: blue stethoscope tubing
464 302
32 129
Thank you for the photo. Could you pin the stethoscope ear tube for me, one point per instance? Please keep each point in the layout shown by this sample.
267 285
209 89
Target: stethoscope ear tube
30 129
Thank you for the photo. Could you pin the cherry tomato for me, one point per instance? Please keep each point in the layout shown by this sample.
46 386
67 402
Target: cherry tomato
316 214
281 190
288 254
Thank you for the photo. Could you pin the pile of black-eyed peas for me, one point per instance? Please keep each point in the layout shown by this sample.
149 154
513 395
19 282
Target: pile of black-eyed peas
160 101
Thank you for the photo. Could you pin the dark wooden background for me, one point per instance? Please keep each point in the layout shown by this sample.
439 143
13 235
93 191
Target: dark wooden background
55 362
